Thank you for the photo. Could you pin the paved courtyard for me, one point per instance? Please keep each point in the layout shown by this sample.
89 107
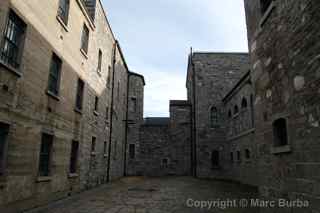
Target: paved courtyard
154 195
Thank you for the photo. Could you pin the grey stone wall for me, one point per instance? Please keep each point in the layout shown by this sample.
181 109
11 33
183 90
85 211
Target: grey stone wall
210 77
284 50
135 120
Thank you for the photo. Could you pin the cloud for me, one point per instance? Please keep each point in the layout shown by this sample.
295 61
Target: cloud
156 37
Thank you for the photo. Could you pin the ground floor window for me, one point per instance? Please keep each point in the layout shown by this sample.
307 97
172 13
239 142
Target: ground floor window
4 131
45 154
74 156
215 159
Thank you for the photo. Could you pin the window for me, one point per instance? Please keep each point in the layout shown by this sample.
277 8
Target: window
132 151
214 117
247 154
45 155
54 75
118 90
231 156
244 103
238 156
85 39
280 134
99 61
265 5
4 131
165 163
79 98
96 104
93 144
134 104
12 45
74 157
215 159
63 10
229 113
236 109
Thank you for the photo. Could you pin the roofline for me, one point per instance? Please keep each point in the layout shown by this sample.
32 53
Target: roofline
138 75
237 85
108 23
220 53
122 56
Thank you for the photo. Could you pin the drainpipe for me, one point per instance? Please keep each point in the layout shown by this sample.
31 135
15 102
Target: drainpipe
126 132
111 108
194 117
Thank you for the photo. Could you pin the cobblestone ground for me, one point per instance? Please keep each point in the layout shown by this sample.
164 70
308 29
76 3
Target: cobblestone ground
153 195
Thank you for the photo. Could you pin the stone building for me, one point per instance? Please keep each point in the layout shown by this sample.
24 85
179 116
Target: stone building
63 101
284 52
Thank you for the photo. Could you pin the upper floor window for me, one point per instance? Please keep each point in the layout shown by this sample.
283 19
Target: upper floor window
229 114
244 103
4 131
12 45
236 109
134 104
280 133
214 118
45 155
96 104
265 5
54 75
85 39
79 98
100 61
63 10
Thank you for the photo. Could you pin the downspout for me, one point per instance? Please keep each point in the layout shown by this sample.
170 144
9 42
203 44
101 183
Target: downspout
194 117
126 132
111 108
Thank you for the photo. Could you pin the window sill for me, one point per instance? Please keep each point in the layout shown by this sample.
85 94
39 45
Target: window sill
43 179
96 113
105 155
84 53
281 149
73 175
64 25
11 69
53 95
78 110
93 153
267 14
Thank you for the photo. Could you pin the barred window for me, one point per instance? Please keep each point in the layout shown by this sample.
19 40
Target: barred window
54 75
45 155
85 39
74 157
12 45
214 118
4 131
63 10
79 97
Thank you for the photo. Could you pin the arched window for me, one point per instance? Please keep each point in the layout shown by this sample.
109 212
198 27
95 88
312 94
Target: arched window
244 103
215 159
280 132
236 109
214 118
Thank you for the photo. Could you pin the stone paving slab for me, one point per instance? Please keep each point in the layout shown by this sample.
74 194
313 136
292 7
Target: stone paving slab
153 195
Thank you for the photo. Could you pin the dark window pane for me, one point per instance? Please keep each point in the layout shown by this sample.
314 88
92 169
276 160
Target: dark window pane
215 159
85 39
96 104
132 151
13 40
63 10
45 155
93 144
4 130
54 75
265 5
74 156
79 98
280 132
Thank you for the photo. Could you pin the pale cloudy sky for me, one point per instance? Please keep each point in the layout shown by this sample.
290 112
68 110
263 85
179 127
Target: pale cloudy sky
156 36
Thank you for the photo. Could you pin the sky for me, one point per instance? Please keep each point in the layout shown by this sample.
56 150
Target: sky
156 36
